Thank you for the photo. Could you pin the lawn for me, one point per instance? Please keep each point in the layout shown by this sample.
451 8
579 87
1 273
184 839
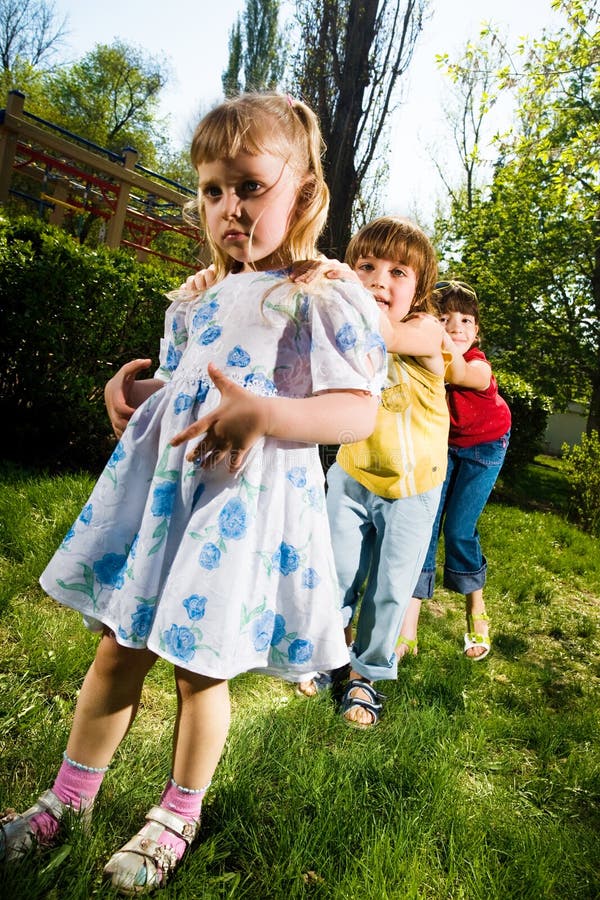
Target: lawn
481 781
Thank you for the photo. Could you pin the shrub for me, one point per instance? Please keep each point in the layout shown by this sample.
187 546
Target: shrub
582 467
70 316
529 419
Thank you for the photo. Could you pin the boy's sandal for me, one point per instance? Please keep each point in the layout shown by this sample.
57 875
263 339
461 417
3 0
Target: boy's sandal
16 833
320 682
475 638
411 643
142 864
373 705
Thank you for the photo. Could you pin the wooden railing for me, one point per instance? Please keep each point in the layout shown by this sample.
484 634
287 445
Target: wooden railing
66 174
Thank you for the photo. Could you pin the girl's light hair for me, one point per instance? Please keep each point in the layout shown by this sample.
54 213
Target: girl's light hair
398 239
272 123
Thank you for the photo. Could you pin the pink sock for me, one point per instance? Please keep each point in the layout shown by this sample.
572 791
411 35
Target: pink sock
75 786
184 802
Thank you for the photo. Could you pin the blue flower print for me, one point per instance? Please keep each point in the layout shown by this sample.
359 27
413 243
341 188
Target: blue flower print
133 548
117 455
300 651
173 358
203 389
260 384
262 630
297 476
278 630
141 620
374 341
205 313
68 536
238 357
346 338
314 497
182 402
180 642
285 559
310 578
211 334
85 515
195 605
233 519
163 499
110 570
210 556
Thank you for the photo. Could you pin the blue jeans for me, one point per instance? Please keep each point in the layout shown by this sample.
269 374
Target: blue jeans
379 547
471 475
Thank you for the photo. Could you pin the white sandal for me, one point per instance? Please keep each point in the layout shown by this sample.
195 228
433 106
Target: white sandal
474 638
143 864
16 834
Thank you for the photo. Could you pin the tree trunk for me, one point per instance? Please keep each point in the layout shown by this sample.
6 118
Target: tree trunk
340 171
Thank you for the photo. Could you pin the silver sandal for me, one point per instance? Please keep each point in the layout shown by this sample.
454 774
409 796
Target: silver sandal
143 864
16 834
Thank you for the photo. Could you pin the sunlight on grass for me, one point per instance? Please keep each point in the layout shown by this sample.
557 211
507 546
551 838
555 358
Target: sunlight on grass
482 779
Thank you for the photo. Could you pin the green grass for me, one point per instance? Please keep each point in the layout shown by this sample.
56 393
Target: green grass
482 780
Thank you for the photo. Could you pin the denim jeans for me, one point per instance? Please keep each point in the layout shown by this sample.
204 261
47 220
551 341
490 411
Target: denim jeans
471 475
379 547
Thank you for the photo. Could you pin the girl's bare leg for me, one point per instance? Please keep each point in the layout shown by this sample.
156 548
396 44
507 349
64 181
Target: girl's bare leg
408 632
474 604
201 727
108 701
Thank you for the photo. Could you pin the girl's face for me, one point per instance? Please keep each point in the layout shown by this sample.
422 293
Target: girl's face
462 328
392 284
249 203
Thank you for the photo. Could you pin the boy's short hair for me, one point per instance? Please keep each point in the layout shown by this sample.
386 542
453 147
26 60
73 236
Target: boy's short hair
392 237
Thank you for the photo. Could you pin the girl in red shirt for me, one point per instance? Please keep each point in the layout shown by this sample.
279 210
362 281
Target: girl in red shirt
479 433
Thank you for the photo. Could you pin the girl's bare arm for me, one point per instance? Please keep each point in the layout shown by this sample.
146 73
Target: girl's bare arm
242 418
475 374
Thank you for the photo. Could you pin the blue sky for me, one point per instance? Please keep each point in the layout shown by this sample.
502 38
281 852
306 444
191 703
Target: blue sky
192 36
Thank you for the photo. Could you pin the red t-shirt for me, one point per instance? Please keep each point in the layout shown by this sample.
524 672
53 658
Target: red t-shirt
476 416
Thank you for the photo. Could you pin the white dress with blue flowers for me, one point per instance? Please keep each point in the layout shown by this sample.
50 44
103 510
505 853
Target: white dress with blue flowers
223 573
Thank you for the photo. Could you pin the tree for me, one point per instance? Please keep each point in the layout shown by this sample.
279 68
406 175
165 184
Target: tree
351 55
110 96
256 47
30 32
476 82
531 243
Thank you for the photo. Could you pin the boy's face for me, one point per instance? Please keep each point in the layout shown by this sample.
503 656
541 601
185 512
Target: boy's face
392 284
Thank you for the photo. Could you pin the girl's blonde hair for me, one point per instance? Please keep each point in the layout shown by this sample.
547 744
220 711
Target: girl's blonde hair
398 239
272 123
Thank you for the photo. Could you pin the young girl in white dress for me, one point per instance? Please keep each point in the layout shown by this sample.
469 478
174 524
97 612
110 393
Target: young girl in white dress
205 540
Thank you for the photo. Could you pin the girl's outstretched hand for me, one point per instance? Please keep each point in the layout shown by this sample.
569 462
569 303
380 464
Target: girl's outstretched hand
230 430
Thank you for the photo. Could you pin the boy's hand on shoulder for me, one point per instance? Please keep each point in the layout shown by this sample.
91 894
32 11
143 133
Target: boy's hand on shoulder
309 270
200 281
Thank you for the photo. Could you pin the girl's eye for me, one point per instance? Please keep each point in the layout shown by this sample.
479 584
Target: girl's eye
250 187
444 320
365 267
211 190
398 273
